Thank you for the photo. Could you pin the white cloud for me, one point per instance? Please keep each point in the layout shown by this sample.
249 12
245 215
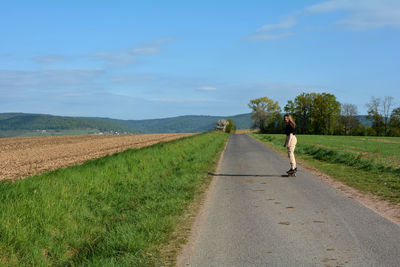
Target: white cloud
46 79
121 57
150 48
186 100
6 56
207 88
124 57
49 59
273 31
362 14
135 78
130 56
114 58
288 22
145 50
358 15
269 36
330 6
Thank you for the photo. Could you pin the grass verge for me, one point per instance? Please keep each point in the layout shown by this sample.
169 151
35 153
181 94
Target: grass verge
186 222
351 169
119 210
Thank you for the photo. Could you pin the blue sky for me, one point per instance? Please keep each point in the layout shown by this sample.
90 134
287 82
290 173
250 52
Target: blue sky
156 59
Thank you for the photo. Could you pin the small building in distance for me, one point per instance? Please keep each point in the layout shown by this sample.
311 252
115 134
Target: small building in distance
221 125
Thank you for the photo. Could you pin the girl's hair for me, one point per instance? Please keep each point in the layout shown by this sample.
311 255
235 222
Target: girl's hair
291 121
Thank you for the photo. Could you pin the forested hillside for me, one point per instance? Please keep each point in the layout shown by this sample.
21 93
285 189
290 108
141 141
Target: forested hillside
24 124
21 124
186 123
23 121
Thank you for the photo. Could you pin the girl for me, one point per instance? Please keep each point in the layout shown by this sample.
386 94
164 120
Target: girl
290 142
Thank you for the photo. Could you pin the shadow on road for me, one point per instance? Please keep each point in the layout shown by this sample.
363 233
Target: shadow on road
248 175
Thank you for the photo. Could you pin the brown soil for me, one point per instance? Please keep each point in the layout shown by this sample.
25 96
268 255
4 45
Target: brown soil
243 131
381 140
24 156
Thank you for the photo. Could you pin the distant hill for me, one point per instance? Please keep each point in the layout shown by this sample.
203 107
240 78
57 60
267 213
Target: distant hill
25 124
22 122
189 123
363 120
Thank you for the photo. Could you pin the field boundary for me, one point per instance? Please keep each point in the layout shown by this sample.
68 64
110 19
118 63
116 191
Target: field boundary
382 207
27 156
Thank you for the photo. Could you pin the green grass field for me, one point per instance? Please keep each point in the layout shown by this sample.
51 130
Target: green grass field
381 150
370 164
119 210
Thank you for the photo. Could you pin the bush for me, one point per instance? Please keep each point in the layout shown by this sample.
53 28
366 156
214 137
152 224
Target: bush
371 131
230 128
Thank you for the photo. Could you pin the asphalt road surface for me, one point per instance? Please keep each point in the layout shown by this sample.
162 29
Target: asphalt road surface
260 217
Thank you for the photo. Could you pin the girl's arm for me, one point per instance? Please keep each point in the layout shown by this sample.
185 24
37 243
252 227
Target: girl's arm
288 139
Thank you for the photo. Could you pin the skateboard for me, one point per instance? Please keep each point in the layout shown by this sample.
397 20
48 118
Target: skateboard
291 174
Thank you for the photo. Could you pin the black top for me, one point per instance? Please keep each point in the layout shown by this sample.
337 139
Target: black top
289 129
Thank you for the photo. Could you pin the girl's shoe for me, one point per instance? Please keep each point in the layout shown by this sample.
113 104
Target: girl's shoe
291 170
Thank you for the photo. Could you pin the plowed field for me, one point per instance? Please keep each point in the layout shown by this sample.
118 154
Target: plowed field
24 156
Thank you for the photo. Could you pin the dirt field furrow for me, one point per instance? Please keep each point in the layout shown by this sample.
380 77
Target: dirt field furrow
24 156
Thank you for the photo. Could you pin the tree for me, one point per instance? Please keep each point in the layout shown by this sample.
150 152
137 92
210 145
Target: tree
325 113
315 113
230 128
265 113
386 108
300 109
290 107
348 118
375 115
394 123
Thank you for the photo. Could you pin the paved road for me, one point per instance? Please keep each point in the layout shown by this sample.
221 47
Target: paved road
258 217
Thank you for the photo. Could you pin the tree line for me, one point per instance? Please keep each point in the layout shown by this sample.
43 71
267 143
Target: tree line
30 122
322 113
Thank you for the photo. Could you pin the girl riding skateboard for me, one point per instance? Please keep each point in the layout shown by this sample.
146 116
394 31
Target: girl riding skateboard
290 143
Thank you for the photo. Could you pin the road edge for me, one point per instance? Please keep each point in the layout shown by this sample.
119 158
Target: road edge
187 249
